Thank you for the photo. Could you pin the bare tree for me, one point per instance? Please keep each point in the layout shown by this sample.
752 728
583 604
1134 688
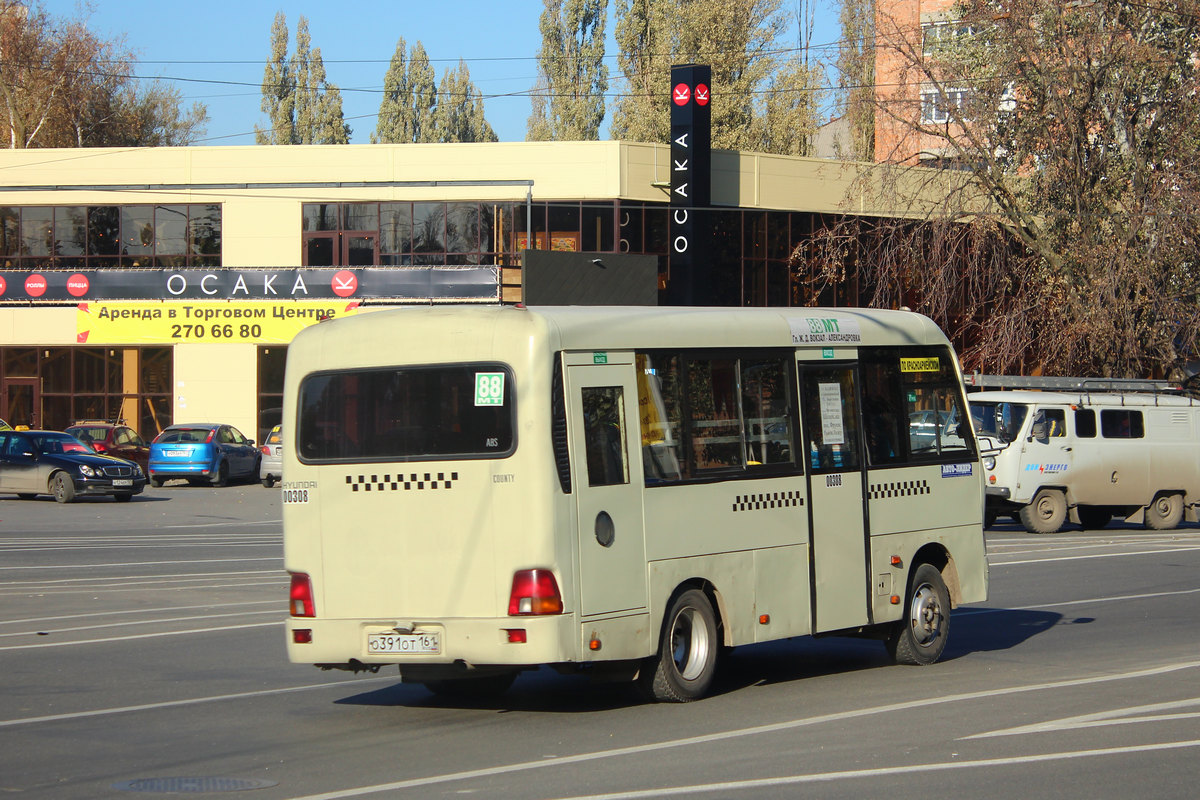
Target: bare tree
63 86
1068 240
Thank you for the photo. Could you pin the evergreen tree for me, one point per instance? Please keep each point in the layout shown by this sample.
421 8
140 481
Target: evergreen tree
568 103
458 116
424 95
394 123
303 106
644 58
856 64
278 89
756 103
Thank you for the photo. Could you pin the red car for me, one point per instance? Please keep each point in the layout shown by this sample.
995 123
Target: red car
112 439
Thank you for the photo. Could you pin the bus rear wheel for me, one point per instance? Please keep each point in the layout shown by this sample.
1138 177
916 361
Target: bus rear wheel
1165 513
1046 513
686 662
920 637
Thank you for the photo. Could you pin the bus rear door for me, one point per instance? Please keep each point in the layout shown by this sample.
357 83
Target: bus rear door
606 450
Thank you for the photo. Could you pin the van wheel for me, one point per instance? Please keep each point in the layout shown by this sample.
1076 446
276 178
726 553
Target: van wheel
62 487
1093 517
1046 513
920 638
686 662
1165 512
484 688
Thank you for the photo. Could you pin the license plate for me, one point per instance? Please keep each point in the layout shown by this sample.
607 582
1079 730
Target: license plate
122 482
175 453
404 643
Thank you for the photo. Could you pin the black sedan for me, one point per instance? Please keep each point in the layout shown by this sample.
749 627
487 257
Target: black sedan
51 462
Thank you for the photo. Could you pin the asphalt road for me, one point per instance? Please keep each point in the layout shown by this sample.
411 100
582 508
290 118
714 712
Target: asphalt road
141 653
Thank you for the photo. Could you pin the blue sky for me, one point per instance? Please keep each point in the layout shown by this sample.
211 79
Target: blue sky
214 50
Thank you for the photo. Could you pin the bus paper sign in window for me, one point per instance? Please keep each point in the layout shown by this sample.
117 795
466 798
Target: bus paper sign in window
489 388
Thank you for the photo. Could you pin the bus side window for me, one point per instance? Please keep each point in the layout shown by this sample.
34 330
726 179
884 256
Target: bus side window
659 417
1120 423
604 435
1085 423
1056 422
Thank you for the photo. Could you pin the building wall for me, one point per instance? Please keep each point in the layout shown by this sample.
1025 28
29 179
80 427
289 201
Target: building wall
898 84
261 191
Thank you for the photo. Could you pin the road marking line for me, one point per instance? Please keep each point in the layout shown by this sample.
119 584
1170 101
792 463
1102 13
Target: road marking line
140 636
116 613
1095 555
1116 716
127 623
143 563
101 712
760 729
1092 601
854 774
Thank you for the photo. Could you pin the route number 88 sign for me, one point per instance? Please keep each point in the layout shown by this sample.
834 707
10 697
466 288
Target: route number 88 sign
489 388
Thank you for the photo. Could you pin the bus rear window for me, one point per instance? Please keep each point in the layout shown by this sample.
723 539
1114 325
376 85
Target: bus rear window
407 414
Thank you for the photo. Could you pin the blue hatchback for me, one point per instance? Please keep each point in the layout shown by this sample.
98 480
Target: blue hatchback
204 453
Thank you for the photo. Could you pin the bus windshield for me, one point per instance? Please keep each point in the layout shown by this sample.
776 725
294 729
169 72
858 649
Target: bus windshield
1000 420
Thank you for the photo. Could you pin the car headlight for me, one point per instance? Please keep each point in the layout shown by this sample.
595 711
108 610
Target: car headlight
86 470
989 463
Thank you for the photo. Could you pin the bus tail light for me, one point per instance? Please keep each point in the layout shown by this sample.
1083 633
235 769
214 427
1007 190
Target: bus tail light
534 591
302 604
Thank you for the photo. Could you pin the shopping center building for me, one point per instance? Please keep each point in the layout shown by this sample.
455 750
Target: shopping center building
163 285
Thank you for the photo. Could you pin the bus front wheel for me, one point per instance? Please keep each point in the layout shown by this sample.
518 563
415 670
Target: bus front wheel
920 637
686 662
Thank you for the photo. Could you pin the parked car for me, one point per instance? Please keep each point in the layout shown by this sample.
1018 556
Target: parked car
117 440
56 463
270 468
203 453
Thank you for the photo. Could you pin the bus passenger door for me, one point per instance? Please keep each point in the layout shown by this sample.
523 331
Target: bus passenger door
832 444
606 453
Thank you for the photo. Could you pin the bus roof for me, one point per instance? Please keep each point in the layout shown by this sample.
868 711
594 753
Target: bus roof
630 327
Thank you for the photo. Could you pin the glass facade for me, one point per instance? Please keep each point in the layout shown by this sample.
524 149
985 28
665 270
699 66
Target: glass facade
95 237
54 387
751 249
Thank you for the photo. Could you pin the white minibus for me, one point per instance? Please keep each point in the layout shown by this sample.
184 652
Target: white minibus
470 492
1051 457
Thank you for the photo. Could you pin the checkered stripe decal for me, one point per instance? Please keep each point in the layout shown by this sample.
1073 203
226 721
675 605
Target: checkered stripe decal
758 502
883 491
402 482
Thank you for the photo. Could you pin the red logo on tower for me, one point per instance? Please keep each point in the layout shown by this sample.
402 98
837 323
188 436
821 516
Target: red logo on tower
701 94
682 94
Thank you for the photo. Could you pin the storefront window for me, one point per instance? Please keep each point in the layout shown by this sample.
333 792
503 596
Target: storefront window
61 385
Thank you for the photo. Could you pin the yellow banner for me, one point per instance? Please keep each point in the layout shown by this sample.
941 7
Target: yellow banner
920 365
239 322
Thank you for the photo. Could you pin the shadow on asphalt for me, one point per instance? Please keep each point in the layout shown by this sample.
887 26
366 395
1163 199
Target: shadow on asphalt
544 690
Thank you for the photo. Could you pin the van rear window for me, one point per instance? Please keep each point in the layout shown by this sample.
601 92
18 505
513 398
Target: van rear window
407 414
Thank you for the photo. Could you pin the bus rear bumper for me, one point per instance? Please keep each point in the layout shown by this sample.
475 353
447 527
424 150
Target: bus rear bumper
493 641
